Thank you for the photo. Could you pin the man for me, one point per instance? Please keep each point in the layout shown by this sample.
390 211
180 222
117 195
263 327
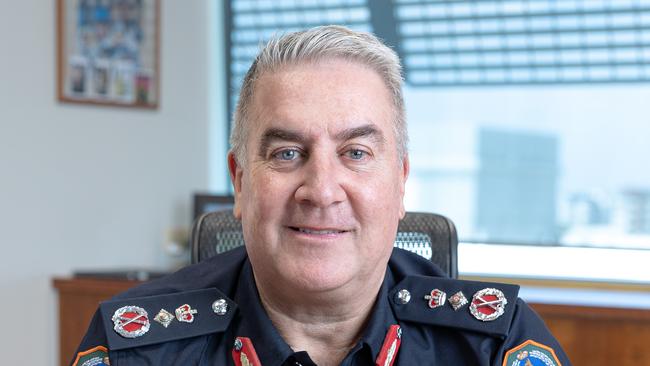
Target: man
319 163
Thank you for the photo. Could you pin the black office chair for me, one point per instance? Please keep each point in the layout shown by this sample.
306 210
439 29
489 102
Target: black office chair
430 235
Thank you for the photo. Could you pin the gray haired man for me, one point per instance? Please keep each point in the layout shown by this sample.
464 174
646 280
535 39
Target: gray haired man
319 165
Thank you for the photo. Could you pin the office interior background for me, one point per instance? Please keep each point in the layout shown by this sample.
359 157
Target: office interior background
527 119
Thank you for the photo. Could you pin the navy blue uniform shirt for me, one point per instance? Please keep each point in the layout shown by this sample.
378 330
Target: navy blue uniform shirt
428 336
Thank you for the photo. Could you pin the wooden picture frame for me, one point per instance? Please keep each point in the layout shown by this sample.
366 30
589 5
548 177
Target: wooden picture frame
108 52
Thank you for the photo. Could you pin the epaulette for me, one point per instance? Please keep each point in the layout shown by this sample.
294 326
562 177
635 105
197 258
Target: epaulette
155 319
470 305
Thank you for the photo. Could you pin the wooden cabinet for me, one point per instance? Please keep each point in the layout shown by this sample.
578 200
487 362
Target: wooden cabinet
78 300
600 336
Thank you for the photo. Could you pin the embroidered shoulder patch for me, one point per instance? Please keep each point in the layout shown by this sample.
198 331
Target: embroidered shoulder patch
531 353
97 356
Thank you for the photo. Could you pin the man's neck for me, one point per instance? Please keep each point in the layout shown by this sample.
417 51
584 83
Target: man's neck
327 325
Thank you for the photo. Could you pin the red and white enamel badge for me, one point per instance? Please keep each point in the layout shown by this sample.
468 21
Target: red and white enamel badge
131 321
185 313
488 304
436 298
388 352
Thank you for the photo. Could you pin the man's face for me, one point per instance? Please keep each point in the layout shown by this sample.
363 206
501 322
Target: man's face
321 191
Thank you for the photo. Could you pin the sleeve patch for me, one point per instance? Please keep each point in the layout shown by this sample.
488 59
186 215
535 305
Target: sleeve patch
97 356
531 353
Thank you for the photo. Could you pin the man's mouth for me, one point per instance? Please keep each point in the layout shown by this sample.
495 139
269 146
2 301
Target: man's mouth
317 231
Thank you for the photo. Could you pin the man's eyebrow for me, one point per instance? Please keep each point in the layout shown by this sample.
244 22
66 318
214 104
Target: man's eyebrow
278 134
368 130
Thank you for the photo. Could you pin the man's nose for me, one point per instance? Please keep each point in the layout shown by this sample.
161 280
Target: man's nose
321 183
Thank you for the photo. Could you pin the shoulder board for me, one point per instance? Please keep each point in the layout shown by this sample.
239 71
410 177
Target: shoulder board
469 305
155 319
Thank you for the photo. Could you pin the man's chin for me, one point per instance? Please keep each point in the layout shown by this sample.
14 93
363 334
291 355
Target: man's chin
317 278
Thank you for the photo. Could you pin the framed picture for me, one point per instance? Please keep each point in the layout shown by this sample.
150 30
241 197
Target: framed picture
108 51
208 203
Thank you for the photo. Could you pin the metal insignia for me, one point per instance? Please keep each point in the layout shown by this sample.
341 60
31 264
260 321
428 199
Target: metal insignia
164 317
220 307
131 321
436 298
402 297
457 300
238 344
185 313
488 304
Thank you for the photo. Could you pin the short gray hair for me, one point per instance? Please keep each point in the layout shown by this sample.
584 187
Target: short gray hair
314 44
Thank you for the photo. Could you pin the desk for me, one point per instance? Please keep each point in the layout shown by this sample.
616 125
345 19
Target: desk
78 300
590 335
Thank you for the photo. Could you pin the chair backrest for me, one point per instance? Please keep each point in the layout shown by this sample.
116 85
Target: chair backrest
430 235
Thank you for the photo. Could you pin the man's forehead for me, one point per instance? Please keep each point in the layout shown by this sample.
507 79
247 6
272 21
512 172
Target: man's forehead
337 99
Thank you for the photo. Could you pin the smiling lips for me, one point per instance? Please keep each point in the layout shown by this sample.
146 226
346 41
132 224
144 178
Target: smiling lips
312 231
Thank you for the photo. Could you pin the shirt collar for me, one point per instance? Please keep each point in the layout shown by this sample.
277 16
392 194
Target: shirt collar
271 347
381 319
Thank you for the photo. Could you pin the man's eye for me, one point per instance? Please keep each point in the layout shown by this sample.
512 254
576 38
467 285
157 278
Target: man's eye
288 154
356 154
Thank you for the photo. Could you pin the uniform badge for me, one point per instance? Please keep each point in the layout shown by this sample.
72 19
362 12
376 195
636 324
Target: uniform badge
402 297
531 353
388 352
185 313
436 298
243 353
457 300
97 356
131 321
164 317
220 307
488 304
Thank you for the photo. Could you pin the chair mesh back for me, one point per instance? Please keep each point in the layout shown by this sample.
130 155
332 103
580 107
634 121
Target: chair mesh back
418 243
227 240
428 235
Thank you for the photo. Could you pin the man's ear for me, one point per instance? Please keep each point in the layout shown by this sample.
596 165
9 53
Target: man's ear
404 174
236 173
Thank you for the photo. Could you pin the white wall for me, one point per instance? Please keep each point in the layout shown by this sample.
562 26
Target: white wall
86 186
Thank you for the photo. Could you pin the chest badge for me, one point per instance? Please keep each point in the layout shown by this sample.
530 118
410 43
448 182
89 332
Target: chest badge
488 304
185 313
436 298
131 321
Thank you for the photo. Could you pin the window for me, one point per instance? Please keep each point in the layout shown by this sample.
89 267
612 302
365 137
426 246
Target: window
527 119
